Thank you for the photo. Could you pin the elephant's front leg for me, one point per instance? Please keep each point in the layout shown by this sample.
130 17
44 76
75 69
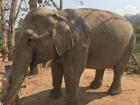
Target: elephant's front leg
97 82
72 77
57 75
74 65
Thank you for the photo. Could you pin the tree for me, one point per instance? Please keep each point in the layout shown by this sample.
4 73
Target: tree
54 4
33 4
4 28
12 19
61 4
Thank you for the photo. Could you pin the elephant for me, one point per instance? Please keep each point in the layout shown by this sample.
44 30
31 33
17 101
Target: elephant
74 39
34 69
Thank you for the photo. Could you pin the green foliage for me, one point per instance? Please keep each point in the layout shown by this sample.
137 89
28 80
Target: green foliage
137 30
0 26
137 46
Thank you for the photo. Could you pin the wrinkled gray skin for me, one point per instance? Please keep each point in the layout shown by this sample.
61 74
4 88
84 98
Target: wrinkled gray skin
75 40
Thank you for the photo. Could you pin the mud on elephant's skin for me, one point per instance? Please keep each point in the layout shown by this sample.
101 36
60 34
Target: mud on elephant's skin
75 39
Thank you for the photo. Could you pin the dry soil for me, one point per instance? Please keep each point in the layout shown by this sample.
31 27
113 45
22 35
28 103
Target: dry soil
39 86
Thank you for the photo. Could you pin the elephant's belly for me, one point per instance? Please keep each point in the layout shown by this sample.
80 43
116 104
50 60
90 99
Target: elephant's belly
100 59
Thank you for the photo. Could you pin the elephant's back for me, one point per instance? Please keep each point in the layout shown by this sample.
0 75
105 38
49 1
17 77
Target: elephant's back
90 17
84 21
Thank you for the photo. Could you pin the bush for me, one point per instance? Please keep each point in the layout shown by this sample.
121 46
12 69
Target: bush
138 31
137 46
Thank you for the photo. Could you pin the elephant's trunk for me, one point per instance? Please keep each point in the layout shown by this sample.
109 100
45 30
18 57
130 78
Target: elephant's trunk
21 62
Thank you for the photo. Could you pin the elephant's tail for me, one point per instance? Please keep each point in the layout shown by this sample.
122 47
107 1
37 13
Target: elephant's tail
127 52
131 45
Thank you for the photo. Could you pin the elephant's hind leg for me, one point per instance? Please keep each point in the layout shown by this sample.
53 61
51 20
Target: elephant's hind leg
119 68
116 84
118 71
97 82
57 75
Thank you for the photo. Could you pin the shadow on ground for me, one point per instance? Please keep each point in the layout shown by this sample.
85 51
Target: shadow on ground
42 98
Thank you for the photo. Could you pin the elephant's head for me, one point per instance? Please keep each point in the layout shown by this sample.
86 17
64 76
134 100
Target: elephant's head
44 36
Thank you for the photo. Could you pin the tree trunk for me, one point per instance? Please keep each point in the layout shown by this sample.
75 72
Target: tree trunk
12 18
61 4
33 4
4 35
4 26
0 6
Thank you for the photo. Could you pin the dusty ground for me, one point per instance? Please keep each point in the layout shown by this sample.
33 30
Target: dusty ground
38 88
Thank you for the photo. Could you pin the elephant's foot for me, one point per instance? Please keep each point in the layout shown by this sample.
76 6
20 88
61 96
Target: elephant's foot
55 93
95 85
114 90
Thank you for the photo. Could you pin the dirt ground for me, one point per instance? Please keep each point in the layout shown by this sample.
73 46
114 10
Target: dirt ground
38 88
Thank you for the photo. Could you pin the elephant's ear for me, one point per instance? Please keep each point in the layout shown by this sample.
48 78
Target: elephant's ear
62 37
